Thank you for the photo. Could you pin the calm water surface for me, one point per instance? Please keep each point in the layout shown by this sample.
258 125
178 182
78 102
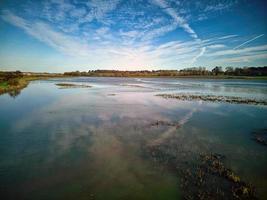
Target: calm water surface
90 143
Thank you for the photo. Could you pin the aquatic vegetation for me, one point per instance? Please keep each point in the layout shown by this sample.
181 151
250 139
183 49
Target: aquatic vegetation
260 136
136 86
213 164
140 86
133 85
214 98
202 176
71 85
165 123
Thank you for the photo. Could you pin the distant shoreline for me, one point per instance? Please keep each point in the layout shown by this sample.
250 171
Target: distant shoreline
15 83
184 77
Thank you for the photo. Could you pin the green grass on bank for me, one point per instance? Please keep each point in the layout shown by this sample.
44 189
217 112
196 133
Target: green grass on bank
17 84
3 84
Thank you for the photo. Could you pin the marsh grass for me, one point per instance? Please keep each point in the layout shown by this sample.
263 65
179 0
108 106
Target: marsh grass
71 85
214 98
13 86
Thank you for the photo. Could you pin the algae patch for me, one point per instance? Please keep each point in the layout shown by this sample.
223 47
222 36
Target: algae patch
71 85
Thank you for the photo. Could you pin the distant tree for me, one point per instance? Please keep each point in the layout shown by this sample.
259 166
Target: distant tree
238 71
229 71
217 70
195 71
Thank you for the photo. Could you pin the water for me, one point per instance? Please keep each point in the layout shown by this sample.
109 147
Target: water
91 143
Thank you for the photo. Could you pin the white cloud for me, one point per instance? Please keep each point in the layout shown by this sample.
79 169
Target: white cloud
78 12
57 11
230 56
150 34
98 9
216 46
248 50
130 34
202 51
178 19
72 31
44 33
240 59
219 6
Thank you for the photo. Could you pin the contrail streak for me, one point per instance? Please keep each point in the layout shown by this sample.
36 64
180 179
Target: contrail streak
248 41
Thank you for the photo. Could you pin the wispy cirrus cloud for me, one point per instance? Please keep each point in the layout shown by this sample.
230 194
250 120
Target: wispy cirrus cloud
216 46
125 33
86 12
180 21
248 50
219 6
201 53
239 58
244 55
43 32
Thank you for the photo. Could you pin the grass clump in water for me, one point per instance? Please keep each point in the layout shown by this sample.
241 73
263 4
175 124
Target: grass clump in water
71 85
214 98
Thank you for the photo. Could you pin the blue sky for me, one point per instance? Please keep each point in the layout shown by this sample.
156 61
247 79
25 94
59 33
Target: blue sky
67 35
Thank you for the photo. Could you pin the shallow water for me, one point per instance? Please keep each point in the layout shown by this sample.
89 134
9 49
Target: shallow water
90 143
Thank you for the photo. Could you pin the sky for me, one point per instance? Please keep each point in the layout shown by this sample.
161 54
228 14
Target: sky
70 35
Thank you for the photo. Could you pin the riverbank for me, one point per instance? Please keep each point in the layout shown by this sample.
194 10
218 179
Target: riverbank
13 86
222 77
181 76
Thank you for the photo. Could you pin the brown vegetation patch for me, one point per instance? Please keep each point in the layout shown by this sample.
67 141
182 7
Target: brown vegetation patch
164 123
201 176
260 136
14 81
71 85
214 98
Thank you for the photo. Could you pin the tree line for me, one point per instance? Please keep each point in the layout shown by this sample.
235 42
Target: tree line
193 71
